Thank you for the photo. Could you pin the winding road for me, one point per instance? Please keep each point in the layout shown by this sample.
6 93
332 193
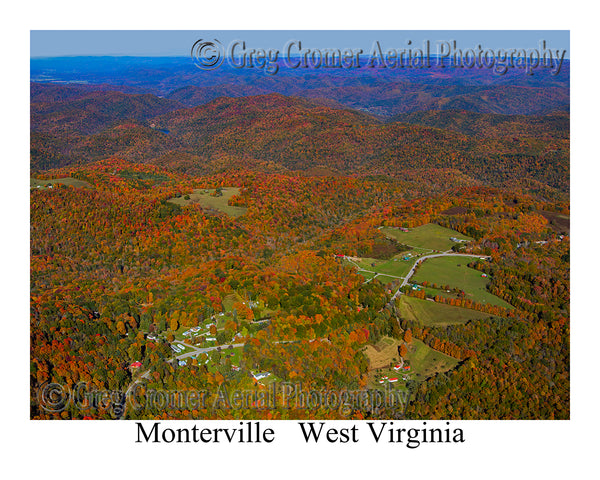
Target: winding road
197 351
419 260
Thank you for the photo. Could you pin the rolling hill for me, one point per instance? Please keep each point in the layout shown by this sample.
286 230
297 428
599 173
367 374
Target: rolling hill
299 134
76 110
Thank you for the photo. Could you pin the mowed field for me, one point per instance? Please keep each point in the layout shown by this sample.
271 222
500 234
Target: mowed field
453 271
383 353
396 267
431 314
423 240
430 236
204 198
425 361
35 183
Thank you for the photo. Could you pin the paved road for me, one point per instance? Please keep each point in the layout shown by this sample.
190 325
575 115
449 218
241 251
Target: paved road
419 260
198 351
375 274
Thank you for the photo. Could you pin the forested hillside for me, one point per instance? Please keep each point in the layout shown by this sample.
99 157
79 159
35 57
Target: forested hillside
407 235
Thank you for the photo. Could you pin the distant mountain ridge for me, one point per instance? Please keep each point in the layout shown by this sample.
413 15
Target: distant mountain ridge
552 125
76 109
383 92
298 134
395 98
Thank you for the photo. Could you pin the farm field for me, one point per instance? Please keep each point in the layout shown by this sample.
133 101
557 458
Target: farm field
431 314
367 275
453 271
383 352
396 267
425 361
204 198
429 236
295 230
75 182
234 354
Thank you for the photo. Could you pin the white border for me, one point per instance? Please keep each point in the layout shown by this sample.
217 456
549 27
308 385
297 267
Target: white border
494 449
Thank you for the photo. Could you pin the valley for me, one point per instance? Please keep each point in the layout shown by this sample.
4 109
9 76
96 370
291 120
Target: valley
358 233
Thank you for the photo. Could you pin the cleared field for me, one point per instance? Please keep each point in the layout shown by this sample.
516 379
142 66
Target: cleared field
229 300
425 361
385 279
367 275
433 314
204 198
442 293
35 183
383 353
395 267
453 271
558 222
234 354
430 236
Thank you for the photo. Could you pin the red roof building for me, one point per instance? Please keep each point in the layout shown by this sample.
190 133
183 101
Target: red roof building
136 364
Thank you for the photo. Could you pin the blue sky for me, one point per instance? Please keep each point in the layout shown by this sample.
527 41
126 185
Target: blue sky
54 43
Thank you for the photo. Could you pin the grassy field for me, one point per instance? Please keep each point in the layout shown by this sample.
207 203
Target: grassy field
442 293
425 361
383 353
430 236
34 182
229 300
186 349
204 198
453 271
395 267
367 275
235 354
429 313
423 240
385 279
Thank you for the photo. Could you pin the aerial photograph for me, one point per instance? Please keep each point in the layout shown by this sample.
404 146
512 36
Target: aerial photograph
299 225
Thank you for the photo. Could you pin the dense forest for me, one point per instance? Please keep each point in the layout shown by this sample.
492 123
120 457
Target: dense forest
134 246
